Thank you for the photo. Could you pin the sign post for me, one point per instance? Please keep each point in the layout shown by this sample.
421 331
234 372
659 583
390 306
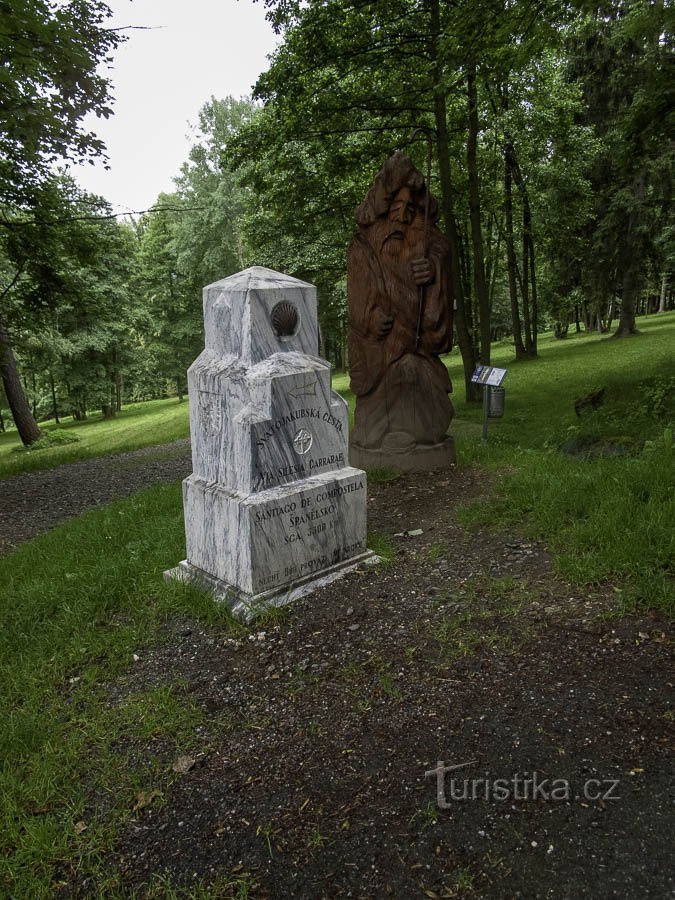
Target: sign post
489 377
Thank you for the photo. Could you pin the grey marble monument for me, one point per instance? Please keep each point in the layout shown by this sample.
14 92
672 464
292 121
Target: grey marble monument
272 508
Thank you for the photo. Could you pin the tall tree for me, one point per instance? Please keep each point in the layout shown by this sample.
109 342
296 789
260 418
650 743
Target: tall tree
347 87
193 237
67 305
172 312
620 53
209 229
48 83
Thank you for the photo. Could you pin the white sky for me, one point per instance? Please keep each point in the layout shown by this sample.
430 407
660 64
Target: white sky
161 78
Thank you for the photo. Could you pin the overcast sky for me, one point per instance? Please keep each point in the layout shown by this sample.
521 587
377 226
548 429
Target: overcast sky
161 78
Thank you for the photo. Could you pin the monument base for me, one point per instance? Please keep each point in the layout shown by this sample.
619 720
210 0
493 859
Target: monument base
420 458
246 607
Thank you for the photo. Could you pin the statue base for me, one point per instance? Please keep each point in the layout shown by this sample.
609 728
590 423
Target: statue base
418 458
247 607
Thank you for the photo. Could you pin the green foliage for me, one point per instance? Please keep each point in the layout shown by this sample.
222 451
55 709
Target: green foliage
658 396
209 243
618 56
337 100
171 318
572 97
192 238
663 443
381 546
65 267
49 82
578 98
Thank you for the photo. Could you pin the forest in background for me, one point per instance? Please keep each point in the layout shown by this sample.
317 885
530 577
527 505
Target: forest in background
550 126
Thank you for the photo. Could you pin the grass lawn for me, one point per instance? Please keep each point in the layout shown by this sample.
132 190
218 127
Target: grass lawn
637 372
605 516
79 602
138 425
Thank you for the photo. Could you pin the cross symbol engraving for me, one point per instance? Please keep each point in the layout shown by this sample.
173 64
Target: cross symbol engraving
307 389
302 441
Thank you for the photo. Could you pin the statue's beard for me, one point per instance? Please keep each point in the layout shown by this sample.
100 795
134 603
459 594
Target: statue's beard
394 244
395 241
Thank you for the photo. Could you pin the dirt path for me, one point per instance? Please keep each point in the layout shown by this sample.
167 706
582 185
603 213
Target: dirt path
35 502
308 776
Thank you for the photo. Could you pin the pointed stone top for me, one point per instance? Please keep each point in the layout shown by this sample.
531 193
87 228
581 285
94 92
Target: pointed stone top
259 312
257 278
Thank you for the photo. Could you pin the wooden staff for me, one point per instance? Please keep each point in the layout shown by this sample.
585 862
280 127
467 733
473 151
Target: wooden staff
428 133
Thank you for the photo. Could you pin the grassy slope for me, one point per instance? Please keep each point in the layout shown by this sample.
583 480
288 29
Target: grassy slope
138 425
540 393
79 602
606 518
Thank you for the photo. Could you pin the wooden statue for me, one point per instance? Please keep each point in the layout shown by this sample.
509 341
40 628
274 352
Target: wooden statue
400 318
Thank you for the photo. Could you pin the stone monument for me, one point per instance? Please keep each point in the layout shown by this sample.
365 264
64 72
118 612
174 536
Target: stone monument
399 289
272 508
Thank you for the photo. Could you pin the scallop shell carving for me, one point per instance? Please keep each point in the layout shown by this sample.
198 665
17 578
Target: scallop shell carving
284 319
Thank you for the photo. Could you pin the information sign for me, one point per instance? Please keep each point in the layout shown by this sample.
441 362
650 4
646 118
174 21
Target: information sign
488 375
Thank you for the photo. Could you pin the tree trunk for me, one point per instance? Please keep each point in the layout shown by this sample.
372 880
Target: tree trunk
529 277
80 406
610 313
495 268
479 281
34 391
535 299
466 278
28 428
119 388
632 275
663 294
627 324
525 293
117 382
511 262
464 341
588 316
55 409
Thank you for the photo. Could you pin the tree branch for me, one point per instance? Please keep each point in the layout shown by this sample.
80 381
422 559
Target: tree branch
135 212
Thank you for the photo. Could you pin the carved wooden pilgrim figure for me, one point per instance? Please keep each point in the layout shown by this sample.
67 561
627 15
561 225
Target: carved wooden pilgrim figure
400 317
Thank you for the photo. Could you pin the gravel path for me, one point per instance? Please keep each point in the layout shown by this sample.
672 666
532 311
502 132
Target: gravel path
306 776
35 502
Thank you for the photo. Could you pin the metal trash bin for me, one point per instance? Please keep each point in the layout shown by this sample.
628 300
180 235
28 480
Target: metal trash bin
496 408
